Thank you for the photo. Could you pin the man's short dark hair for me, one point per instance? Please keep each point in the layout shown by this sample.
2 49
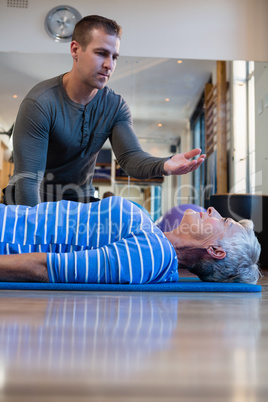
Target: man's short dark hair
84 27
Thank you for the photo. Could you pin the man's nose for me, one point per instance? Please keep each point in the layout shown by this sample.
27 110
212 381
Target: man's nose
109 63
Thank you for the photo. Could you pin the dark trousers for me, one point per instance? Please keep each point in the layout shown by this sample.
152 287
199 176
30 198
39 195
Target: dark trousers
9 197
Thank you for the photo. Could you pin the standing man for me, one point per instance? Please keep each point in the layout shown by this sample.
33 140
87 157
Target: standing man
63 122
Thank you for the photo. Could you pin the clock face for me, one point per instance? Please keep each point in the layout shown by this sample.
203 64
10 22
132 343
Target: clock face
60 23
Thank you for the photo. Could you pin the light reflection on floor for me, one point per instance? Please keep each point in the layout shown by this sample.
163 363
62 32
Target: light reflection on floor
120 346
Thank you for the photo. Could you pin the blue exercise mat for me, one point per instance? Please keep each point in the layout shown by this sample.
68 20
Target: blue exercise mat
184 285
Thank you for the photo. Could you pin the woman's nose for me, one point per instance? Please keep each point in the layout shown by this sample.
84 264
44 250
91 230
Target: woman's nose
213 213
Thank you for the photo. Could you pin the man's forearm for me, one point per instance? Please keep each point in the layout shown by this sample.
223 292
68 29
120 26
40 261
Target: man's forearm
27 191
30 267
131 157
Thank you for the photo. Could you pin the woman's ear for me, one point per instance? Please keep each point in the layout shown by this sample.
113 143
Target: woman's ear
216 252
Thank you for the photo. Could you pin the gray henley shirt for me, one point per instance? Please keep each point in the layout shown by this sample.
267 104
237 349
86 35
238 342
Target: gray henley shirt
56 142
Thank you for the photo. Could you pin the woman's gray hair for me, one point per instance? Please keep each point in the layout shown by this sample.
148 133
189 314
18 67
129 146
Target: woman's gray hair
239 265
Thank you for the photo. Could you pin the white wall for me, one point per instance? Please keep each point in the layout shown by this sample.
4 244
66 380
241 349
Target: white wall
197 29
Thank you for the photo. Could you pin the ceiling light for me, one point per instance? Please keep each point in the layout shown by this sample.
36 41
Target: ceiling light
159 124
167 99
179 61
15 96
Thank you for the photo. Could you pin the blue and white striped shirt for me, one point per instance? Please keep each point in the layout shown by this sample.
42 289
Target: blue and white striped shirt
111 241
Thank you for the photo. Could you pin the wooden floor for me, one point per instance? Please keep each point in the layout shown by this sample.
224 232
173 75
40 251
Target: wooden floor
119 347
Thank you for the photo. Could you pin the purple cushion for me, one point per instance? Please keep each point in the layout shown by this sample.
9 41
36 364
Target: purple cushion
172 218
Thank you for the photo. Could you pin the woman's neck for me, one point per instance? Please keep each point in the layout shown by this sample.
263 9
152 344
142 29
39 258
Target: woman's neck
187 253
174 240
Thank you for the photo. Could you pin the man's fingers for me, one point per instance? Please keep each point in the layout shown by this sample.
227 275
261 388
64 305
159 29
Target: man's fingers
181 163
199 162
192 153
191 166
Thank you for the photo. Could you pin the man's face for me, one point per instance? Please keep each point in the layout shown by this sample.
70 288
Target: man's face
97 62
201 229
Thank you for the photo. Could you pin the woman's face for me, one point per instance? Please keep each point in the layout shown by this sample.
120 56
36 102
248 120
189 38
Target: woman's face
202 229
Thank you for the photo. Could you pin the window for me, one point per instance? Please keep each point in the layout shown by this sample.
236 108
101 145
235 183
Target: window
243 127
197 124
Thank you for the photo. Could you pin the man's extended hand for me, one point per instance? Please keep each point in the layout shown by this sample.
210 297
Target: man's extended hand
181 163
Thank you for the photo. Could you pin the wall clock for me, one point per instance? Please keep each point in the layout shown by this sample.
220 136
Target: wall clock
60 23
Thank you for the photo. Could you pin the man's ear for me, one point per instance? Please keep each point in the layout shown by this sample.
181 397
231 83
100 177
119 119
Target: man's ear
216 252
74 47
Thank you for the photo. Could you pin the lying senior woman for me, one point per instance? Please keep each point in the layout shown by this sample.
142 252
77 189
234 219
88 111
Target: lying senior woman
113 241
